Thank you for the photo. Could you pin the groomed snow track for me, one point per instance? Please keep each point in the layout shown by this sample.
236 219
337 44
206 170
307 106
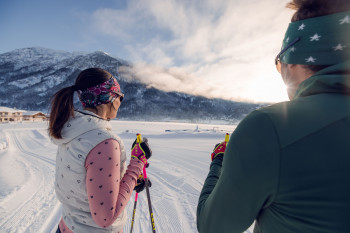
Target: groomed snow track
31 205
178 167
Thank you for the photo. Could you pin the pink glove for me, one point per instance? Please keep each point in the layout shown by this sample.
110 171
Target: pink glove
141 151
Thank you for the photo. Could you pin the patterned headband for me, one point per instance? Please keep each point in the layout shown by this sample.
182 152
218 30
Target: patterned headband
103 93
318 41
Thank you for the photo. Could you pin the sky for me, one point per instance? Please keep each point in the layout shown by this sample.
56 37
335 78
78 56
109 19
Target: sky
213 48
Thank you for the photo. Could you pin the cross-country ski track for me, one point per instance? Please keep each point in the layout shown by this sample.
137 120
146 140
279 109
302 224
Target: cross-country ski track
178 168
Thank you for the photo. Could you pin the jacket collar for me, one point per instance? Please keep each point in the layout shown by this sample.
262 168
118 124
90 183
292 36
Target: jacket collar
82 122
333 79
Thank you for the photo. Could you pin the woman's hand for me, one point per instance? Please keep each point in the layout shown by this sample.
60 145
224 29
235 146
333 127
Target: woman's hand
219 150
140 185
141 151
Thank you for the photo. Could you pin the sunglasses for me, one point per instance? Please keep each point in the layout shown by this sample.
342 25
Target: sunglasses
119 94
277 59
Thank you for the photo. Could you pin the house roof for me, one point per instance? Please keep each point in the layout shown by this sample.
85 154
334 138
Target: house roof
32 113
6 109
27 113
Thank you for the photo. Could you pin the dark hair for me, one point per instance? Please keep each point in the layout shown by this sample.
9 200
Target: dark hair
314 8
62 106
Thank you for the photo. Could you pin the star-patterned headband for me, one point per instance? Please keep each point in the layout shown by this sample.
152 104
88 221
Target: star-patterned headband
322 40
103 93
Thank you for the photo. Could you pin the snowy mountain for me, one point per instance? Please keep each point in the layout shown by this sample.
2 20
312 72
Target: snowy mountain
30 76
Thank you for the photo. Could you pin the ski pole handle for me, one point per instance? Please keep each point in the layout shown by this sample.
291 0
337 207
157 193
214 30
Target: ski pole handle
144 172
136 196
227 137
139 140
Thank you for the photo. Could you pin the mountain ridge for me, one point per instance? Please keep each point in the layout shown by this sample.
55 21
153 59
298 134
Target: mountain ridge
30 76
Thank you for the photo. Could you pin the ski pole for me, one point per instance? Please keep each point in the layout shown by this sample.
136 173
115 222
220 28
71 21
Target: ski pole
149 201
139 140
133 215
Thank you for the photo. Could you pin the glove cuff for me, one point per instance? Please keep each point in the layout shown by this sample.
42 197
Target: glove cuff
142 158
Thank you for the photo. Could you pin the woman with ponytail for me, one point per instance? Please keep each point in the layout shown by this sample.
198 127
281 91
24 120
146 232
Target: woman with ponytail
92 181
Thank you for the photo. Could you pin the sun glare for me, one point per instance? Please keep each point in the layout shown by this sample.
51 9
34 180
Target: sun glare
269 88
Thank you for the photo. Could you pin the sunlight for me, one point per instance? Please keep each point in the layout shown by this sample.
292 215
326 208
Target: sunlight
268 88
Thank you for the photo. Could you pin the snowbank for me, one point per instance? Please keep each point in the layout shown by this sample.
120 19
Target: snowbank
4 141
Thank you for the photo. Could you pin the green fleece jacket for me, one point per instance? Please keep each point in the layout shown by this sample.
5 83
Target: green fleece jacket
287 166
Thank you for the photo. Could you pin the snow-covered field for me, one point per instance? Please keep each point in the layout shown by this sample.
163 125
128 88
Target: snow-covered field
178 167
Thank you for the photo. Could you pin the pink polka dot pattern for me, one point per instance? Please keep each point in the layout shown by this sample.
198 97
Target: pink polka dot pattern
63 227
108 198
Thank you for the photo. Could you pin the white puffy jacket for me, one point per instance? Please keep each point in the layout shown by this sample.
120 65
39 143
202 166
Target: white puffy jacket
80 135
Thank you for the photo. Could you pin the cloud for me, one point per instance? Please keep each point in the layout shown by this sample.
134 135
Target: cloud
219 84
171 79
211 47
